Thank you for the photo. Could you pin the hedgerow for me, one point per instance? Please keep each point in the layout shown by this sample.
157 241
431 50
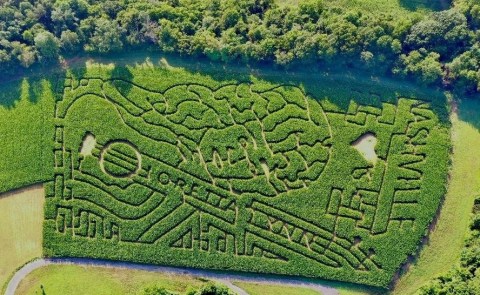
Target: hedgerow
241 174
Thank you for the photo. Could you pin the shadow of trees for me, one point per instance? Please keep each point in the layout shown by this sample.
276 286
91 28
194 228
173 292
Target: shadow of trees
469 111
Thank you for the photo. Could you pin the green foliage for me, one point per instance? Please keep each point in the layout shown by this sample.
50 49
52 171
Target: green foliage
464 278
211 289
26 131
422 64
330 33
156 291
47 45
465 69
69 41
208 289
106 37
445 32
241 174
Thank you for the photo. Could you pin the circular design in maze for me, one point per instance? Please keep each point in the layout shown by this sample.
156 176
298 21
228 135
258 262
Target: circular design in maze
120 159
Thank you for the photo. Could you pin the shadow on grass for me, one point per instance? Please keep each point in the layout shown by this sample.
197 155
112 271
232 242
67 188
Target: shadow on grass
347 85
11 91
318 82
469 111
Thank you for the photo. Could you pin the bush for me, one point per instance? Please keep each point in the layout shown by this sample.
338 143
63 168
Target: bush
211 289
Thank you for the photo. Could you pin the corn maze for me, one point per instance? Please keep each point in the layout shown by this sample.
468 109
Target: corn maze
241 176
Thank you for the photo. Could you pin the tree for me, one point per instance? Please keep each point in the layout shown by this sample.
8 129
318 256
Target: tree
421 63
230 18
63 17
24 54
69 41
464 69
366 57
475 15
106 37
445 32
311 8
47 45
168 35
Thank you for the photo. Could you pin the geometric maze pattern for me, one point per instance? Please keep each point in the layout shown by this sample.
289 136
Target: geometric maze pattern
195 168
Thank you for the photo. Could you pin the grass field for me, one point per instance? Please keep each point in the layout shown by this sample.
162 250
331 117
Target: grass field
21 218
71 279
264 289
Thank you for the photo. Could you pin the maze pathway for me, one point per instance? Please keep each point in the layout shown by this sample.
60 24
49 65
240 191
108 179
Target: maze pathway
239 176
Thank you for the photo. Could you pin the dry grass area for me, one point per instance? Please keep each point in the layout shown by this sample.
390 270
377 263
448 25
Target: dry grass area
21 218
365 145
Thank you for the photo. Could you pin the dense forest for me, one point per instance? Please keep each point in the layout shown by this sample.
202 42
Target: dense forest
439 48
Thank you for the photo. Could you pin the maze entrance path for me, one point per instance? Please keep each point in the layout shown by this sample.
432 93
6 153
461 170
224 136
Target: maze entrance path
242 176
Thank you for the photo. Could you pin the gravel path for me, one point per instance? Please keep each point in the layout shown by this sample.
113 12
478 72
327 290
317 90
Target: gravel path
218 276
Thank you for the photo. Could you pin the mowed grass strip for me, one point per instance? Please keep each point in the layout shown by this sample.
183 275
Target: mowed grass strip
267 289
21 218
81 280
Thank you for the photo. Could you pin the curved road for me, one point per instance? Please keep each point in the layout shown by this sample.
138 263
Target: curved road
221 277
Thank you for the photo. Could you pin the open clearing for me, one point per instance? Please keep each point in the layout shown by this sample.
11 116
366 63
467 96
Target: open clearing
365 145
72 279
21 218
259 175
264 289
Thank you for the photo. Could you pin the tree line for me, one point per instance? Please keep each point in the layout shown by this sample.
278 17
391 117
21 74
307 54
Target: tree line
438 48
